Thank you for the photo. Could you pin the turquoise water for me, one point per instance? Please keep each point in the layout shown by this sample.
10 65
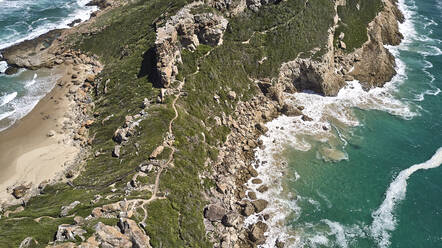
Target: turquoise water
362 183
21 20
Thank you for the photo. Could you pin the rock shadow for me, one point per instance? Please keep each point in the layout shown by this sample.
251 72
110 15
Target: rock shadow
148 68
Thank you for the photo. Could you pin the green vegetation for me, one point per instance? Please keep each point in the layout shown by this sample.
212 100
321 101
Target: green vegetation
355 17
124 39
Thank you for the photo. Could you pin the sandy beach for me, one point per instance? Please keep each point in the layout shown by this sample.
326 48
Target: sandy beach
27 154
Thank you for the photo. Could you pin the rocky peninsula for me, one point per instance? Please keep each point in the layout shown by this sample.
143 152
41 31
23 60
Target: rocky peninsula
163 106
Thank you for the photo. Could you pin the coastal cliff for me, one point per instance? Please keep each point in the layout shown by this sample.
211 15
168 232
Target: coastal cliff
180 94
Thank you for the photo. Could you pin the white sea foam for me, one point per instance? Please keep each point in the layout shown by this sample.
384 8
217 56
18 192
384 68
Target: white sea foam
6 115
5 99
20 106
329 132
384 220
82 12
3 66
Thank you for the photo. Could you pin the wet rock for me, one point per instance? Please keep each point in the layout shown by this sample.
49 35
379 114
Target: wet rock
252 195
248 209
260 205
256 233
256 181
261 127
290 110
306 118
279 244
231 219
214 212
74 22
66 209
263 188
11 70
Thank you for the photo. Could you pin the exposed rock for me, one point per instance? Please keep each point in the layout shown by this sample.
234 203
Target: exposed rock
231 219
256 181
257 231
51 133
116 151
20 191
252 195
261 127
69 232
11 70
66 209
290 110
110 237
342 45
120 135
29 242
156 152
214 212
306 118
260 205
248 209
90 78
231 95
263 188
133 231
186 30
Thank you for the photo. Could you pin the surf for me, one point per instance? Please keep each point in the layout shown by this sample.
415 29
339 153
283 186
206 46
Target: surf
384 221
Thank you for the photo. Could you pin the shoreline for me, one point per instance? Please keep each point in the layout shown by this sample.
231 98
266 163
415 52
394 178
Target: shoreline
44 146
240 189
27 142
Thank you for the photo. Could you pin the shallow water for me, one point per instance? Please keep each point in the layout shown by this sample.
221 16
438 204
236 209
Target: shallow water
21 20
360 174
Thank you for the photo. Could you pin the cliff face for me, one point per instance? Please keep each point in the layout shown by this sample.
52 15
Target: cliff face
171 172
375 64
372 64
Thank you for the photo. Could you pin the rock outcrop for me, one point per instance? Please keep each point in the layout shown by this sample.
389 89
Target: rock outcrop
185 30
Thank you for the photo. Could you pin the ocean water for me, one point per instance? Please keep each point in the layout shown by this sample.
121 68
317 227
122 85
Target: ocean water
21 20
365 172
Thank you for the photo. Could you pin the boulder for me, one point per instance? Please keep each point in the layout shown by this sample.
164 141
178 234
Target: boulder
263 188
156 152
231 219
20 191
214 212
248 209
111 237
231 95
290 110
67 232
120 135
11 70
66 209
306 118
133 231
29 242
116 151
256 233
261 127
90 78
260 205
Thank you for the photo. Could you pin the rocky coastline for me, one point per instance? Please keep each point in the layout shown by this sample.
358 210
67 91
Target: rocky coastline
231 201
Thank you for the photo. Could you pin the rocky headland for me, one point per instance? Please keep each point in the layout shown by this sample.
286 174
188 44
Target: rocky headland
167 120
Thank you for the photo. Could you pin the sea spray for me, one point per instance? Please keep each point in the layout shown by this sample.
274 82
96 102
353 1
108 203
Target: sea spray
384 220
331 119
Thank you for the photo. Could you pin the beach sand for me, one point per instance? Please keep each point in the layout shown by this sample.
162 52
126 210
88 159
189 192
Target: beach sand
27 153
